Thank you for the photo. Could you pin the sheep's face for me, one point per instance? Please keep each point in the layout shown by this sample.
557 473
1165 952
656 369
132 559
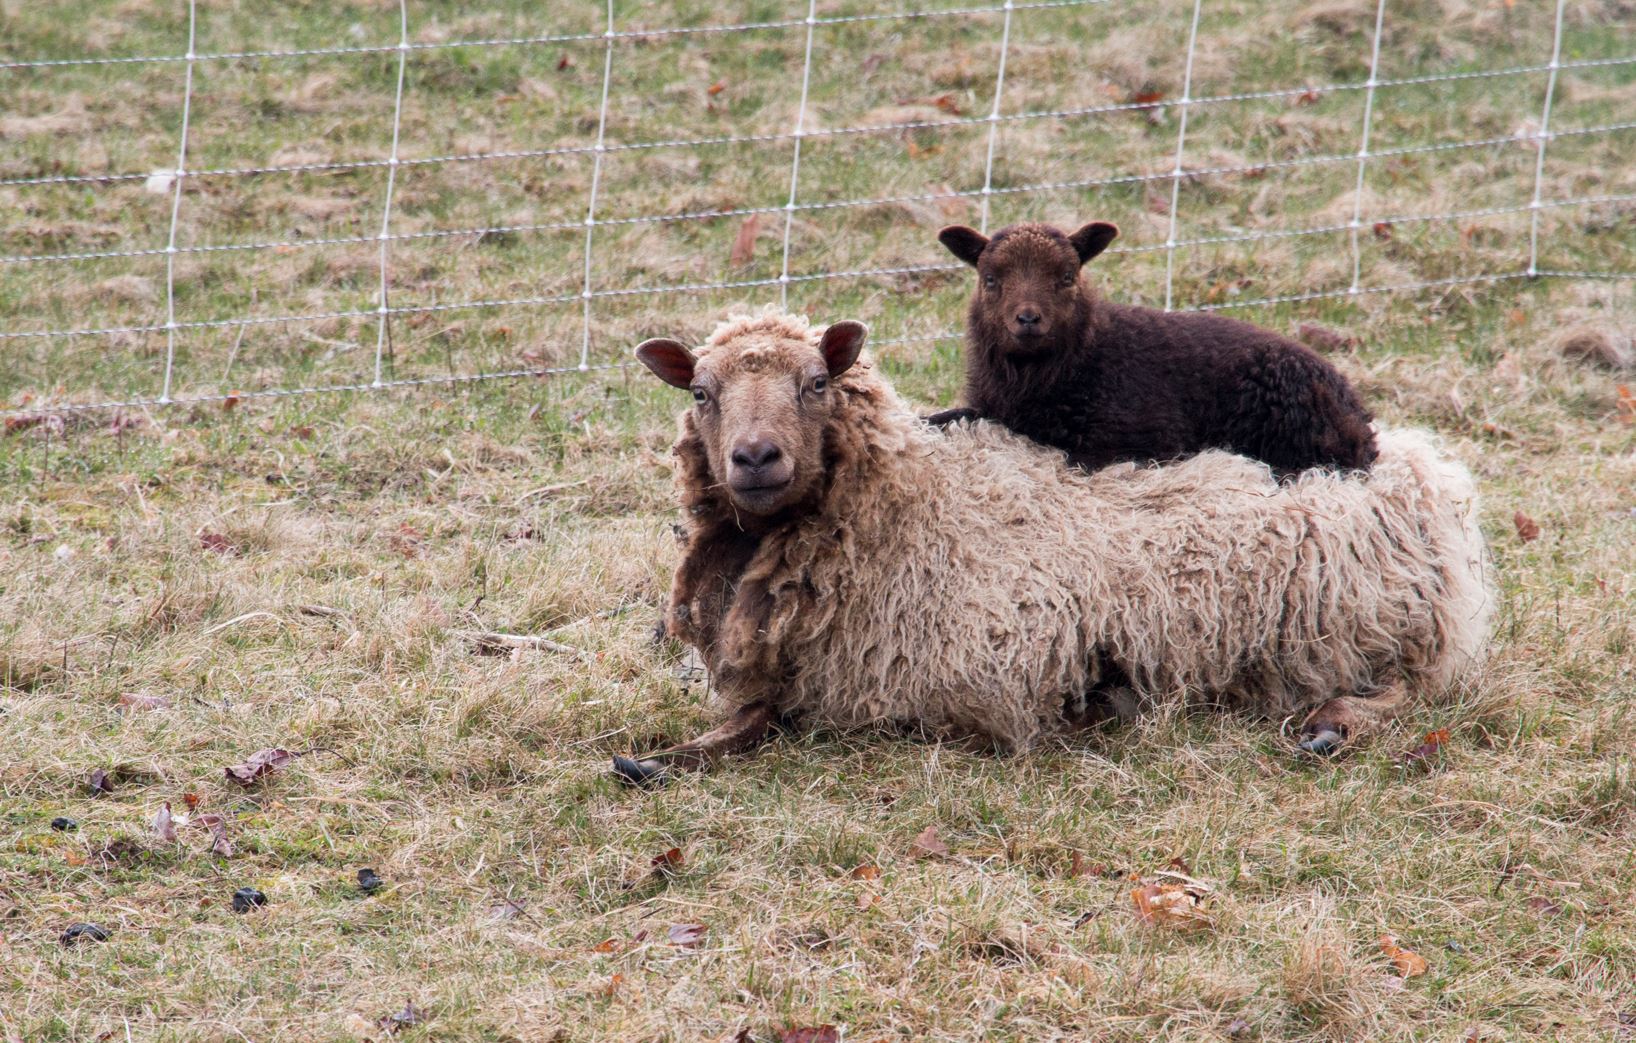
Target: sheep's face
760 404
1028 295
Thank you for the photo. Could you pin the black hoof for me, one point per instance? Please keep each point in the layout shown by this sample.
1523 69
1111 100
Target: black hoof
645 773
1323 743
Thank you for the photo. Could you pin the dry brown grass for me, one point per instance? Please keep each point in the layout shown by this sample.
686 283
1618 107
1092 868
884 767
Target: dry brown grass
355 541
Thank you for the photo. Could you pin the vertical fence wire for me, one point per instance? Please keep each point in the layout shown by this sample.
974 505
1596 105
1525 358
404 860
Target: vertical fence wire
383 328
596 181
994 117
795 157
1544 137
176 201
1181 144
1363 146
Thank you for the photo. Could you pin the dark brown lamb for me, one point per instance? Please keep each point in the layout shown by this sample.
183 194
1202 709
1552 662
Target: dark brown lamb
1050 359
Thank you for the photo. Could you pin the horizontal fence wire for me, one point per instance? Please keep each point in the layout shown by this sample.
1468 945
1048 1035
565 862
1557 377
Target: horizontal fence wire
383 312
773 137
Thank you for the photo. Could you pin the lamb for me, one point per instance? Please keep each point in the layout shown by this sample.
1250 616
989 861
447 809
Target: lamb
847 565
1048 358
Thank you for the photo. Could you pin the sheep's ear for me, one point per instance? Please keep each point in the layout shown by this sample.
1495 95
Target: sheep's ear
1093 239
841 343
670 360
965 243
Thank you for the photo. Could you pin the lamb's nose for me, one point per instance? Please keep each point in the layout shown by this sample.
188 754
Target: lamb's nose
758 453
1028 317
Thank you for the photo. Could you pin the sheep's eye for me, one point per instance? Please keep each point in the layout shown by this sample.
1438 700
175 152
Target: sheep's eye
990 282
700 397
819 384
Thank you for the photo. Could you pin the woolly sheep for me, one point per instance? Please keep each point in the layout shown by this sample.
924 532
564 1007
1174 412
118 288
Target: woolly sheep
847 565
1048 358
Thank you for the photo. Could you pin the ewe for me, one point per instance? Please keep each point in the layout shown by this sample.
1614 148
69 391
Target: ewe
847 565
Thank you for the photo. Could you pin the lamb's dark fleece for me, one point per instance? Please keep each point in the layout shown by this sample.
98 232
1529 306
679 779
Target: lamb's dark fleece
1049 358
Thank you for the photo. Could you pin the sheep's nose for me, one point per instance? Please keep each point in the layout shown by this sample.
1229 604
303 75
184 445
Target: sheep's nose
758 453
1028 317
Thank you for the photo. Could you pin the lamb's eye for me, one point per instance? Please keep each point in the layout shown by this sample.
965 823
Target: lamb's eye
819 384
700 397
1068 278
990 282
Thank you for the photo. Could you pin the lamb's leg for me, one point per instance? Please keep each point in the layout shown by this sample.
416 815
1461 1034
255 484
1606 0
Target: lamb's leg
1350 717
950 416
747 727
1118 704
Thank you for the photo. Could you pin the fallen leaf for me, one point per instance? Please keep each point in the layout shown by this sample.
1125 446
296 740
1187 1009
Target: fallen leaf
1383 230
84 932
1544 906
929 845
164 826
715 88
611 987
248 898
867 900
1428 747
191 800
1527 528
1173 903
216 826
1147 97
1409 964
948 104
507 909
1322 338
215 541
230 401
401 1020
866 872
686 935
1308 97
744 243
564 63
15 424
608 945
668 862
818 1034
1627 405
132 701
258 765
1237 1027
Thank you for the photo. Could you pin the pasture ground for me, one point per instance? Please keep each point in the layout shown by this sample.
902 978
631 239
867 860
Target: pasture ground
302 573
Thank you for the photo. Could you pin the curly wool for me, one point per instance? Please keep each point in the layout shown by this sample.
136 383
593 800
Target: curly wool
969 582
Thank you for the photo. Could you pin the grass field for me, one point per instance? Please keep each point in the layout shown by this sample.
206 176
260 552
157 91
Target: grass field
182 587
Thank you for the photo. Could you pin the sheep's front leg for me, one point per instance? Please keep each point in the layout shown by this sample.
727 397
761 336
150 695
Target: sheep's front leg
951 416
1348 718
745 729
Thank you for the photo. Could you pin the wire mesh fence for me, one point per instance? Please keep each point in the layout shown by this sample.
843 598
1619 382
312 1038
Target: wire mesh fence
433 203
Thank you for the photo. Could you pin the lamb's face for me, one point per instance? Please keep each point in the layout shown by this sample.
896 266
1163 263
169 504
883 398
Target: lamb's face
760 404
1028 294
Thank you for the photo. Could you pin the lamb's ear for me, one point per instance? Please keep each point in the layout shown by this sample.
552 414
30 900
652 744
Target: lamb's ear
1092 239
841 343
965 243
670 360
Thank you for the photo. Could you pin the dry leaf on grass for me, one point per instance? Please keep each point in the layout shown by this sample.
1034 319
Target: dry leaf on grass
215 541
410 1015
1527 528
686 935
744 243
1428 747
866 872
816 1034
258 765
164 825
1173 900
1544 906
216 826
929 845
507 909
99 782
1409 964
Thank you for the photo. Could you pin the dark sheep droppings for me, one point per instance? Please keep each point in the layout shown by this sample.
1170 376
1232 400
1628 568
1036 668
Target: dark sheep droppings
64 825
84 932
247 898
